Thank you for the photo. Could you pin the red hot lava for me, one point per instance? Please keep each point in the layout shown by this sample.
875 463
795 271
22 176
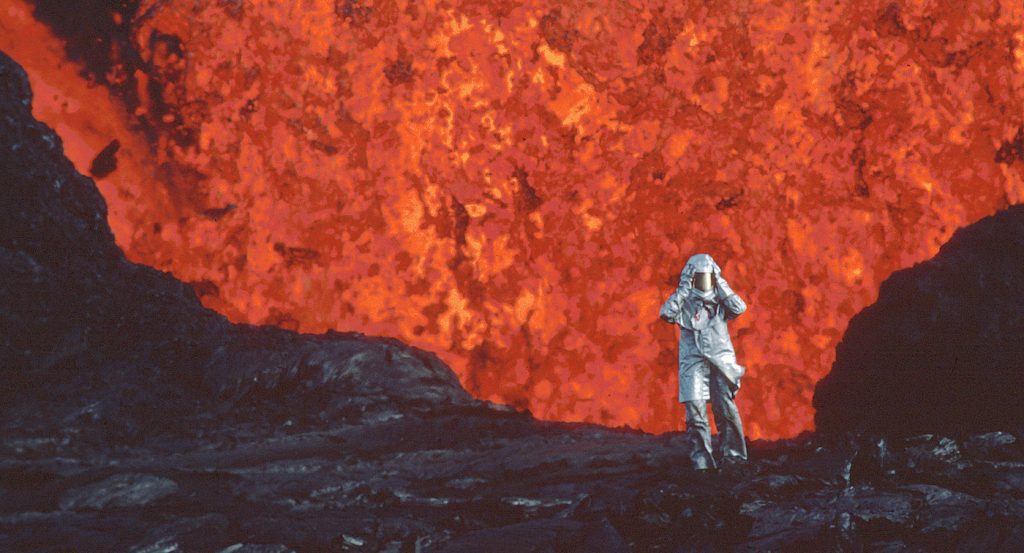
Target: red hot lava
515 185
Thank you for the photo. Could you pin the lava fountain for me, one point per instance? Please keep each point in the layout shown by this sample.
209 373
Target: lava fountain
515 185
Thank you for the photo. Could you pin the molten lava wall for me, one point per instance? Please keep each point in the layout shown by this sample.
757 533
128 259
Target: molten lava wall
516 185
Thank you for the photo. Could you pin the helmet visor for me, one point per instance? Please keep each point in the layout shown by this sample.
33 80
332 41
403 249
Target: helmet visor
702 281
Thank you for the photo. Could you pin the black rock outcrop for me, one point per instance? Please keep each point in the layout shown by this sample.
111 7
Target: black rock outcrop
942 350
134 420
126 350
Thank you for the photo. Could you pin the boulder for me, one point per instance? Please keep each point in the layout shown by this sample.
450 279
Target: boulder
939 351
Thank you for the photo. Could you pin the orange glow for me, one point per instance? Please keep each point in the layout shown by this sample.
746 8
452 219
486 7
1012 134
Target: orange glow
516 185
85 116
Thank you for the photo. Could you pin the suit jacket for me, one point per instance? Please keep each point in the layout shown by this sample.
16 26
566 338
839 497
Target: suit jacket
704 342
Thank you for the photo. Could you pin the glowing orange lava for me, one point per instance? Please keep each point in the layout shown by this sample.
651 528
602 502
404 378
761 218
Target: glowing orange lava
516 185
85 116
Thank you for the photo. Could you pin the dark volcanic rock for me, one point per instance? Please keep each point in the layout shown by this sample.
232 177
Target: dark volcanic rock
90 342
999 445
132 419
941 350
252 548
120 490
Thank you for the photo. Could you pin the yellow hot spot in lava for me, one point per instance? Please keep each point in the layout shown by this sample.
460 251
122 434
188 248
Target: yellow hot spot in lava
552 57
498 39
922 176
956 135
677 144
852 265
476 210
320 81
573 102
1018 51
591 222
822 341
475 244
819 72
524 304
538 223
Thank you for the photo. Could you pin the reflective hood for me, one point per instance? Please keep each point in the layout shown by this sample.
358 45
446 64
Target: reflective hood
699 263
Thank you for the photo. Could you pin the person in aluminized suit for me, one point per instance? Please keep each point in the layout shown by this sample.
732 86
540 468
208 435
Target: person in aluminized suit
701 305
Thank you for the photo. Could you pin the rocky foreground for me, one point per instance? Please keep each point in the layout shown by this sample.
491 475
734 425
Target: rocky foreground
132 419
483 480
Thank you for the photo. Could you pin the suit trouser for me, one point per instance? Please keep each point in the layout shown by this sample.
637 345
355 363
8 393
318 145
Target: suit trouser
727 418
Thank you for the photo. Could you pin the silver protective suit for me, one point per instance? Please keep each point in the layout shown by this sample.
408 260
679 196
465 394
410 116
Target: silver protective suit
708 370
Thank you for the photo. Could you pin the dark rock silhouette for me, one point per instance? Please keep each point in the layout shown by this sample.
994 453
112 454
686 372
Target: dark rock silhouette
130 349
942 350
132 419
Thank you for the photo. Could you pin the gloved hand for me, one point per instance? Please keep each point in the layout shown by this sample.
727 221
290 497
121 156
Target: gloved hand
722 287
686 277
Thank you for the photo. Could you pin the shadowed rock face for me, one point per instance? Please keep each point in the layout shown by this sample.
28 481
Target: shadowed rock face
132 419
942 350
129 351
